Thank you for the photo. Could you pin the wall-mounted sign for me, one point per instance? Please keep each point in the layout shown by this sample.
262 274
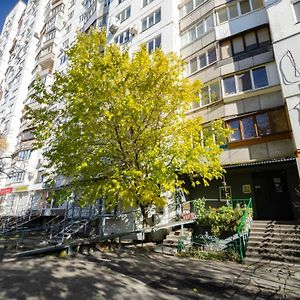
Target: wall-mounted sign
5 191
225 192
246 189
22 188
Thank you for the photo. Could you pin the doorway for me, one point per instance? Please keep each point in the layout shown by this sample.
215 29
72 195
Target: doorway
272 196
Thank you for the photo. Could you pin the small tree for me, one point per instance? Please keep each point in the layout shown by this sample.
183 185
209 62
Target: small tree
115 125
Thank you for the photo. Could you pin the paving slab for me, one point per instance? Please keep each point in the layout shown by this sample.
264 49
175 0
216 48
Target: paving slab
138 273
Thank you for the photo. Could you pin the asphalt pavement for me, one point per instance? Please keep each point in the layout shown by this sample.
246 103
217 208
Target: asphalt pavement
138 273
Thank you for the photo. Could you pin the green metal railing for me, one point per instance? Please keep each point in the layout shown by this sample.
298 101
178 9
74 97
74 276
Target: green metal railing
238 242
243 229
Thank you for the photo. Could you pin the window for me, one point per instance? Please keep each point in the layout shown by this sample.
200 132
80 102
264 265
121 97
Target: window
72 2
188 7
50 35
245 6
225 49
250 40
211 55
151 20
263 35
194 65
260 77
296 5
205 59
245 42
120 1
229 85
27 135
244 81
63 59
249 80
40 176
24 154
222 15
145 2
238 45
70 15
125 14
197 31
18 176
263 124
257 4
233 11
209 94
258 125
123 38
238 9
152 45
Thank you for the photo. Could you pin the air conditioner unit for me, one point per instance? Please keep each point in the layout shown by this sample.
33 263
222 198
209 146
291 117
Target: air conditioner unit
114 24
134 30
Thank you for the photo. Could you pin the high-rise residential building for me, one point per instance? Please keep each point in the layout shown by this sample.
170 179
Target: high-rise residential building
247 59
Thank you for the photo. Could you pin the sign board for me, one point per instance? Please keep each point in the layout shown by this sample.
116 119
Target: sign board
22 188
5 191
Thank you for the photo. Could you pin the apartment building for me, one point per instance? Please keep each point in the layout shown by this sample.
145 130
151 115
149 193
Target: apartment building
235 48
15 86
229 46
129 23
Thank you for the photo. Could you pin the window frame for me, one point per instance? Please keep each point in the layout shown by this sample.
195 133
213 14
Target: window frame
240 14
207 64
256 127
126 13
188 33
148 17
235 75
154 40
198 104
296 2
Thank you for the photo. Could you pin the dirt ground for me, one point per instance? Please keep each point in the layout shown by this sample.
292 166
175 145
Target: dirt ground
137 273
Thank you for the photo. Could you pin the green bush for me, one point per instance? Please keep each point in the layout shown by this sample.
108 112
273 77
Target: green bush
227 255
222 221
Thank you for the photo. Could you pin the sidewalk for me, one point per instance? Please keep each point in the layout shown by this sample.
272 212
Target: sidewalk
135 273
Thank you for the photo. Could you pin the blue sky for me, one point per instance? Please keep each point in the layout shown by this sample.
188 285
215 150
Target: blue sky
5 7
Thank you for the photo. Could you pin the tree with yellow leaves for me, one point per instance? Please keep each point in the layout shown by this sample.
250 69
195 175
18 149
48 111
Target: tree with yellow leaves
116 125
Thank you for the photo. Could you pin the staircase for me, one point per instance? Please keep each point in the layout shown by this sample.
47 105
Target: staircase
11 223
170 243
66 230
274 241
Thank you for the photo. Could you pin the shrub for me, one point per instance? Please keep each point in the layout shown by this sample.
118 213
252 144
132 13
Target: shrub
222 221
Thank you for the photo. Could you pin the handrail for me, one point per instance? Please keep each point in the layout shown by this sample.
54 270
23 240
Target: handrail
241 228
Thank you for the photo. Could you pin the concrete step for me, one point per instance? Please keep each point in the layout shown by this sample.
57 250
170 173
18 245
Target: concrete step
272 250
275 239
272 257
165 250
274 234
270 222
277 245
264 262
275 229
178 233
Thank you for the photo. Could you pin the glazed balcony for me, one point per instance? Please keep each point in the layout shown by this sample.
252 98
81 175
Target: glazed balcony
46 61
242 23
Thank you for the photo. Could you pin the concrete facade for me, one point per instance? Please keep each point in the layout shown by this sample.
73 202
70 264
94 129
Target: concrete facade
241 51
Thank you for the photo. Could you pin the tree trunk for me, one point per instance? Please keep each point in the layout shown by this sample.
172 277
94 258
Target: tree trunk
145 215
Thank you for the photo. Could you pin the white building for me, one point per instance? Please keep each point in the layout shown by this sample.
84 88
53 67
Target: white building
284 20
245 56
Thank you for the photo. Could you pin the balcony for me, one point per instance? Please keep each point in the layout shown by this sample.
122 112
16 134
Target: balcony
46 61
242 23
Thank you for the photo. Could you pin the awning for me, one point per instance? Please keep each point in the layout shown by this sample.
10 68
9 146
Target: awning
260 162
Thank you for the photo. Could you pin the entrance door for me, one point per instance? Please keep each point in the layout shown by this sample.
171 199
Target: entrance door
271 196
